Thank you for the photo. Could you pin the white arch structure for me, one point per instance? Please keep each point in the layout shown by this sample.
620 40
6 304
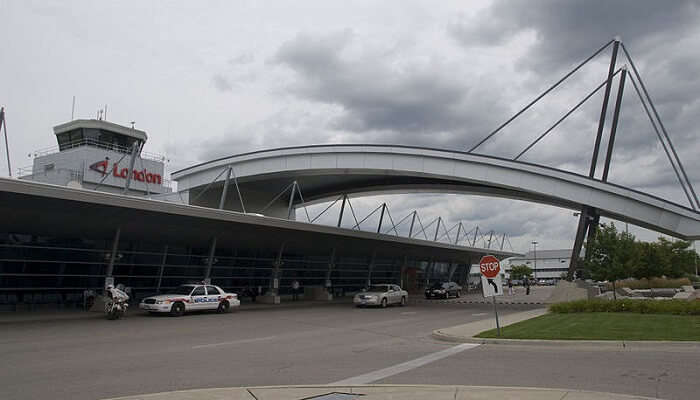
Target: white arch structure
326 171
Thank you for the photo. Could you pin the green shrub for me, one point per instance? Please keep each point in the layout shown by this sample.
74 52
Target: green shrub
678 307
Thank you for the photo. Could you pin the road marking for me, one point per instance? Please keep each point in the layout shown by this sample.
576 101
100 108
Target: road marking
403 367
242 341
408 313
479 314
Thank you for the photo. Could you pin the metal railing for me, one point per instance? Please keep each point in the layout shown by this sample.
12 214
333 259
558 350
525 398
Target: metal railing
99 144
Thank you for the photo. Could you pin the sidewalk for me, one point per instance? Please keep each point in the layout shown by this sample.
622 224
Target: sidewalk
374 392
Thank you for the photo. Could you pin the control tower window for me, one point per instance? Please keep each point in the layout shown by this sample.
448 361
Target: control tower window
96 137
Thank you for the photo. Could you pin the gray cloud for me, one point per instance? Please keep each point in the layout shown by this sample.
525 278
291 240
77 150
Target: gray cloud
410 103
221 83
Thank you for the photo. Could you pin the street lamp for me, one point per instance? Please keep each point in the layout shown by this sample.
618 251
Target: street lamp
534 243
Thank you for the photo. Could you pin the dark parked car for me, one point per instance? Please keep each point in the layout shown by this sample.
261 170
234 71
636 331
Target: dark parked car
443 290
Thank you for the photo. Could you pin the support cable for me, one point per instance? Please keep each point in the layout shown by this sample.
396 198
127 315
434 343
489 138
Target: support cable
426 227
509 245
235 182
352 210
327 208
277 197
388 213
365 218
448 231
564 117
663 144
661 124
403 219
540 97
303 203
421 225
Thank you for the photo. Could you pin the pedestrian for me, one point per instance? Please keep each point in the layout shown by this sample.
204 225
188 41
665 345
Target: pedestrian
527 286
295 290
510 287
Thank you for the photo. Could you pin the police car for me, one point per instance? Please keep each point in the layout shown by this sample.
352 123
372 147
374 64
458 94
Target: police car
192 297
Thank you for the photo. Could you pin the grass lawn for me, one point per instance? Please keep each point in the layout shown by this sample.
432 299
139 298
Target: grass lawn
603 326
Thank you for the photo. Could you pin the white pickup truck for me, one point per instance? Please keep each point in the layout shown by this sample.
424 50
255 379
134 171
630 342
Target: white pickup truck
185 298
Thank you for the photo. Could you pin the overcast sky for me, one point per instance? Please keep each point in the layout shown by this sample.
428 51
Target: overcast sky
207 79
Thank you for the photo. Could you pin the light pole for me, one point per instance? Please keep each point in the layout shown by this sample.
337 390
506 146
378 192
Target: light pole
534 243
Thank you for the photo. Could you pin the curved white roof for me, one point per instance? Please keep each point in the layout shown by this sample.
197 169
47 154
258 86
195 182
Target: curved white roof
325 171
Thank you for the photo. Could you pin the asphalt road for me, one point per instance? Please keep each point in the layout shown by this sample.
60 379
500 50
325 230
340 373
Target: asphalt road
92 358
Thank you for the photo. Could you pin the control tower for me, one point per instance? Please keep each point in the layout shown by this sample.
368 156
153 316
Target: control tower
96 155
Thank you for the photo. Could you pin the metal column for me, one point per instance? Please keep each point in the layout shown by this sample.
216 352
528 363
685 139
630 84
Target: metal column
370 267
162 267
113 256
3 124
584 223
342 210
331 267
613 128
604 109
437 229
413 221
224 191
210 260
381 218
276 265
291 200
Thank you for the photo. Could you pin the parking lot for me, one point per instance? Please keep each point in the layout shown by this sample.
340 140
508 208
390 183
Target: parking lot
88 357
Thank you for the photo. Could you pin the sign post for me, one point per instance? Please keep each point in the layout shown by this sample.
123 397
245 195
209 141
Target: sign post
491 282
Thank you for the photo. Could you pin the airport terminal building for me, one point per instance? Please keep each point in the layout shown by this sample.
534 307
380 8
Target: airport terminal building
98 208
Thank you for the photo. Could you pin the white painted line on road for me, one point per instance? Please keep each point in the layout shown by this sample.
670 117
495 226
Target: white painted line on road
479 314
408 313
403 367
242 341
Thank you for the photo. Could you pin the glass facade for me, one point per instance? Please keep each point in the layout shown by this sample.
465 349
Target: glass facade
43 271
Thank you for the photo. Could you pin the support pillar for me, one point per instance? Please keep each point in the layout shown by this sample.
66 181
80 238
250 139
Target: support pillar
272 295
413 221
370 267
453 268
291 200
404 267
162 267
331 267
437 229
112 257
381 218
342 210
210 261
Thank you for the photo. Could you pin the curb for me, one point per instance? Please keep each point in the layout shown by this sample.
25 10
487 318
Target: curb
384 390
478 302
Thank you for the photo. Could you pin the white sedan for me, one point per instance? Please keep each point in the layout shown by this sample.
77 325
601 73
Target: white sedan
191 297
381 295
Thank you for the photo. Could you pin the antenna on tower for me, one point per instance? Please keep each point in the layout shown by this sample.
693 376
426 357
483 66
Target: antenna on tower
105 117
72 110
132 124
3 125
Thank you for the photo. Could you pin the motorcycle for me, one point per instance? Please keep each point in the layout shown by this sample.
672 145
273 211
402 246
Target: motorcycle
116 303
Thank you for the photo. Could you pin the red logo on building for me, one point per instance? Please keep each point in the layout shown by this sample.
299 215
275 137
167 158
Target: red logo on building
139 175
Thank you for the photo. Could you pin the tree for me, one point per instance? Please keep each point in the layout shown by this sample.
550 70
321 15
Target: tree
520 271
611 256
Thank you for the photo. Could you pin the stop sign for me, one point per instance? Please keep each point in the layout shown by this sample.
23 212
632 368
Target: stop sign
489 266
